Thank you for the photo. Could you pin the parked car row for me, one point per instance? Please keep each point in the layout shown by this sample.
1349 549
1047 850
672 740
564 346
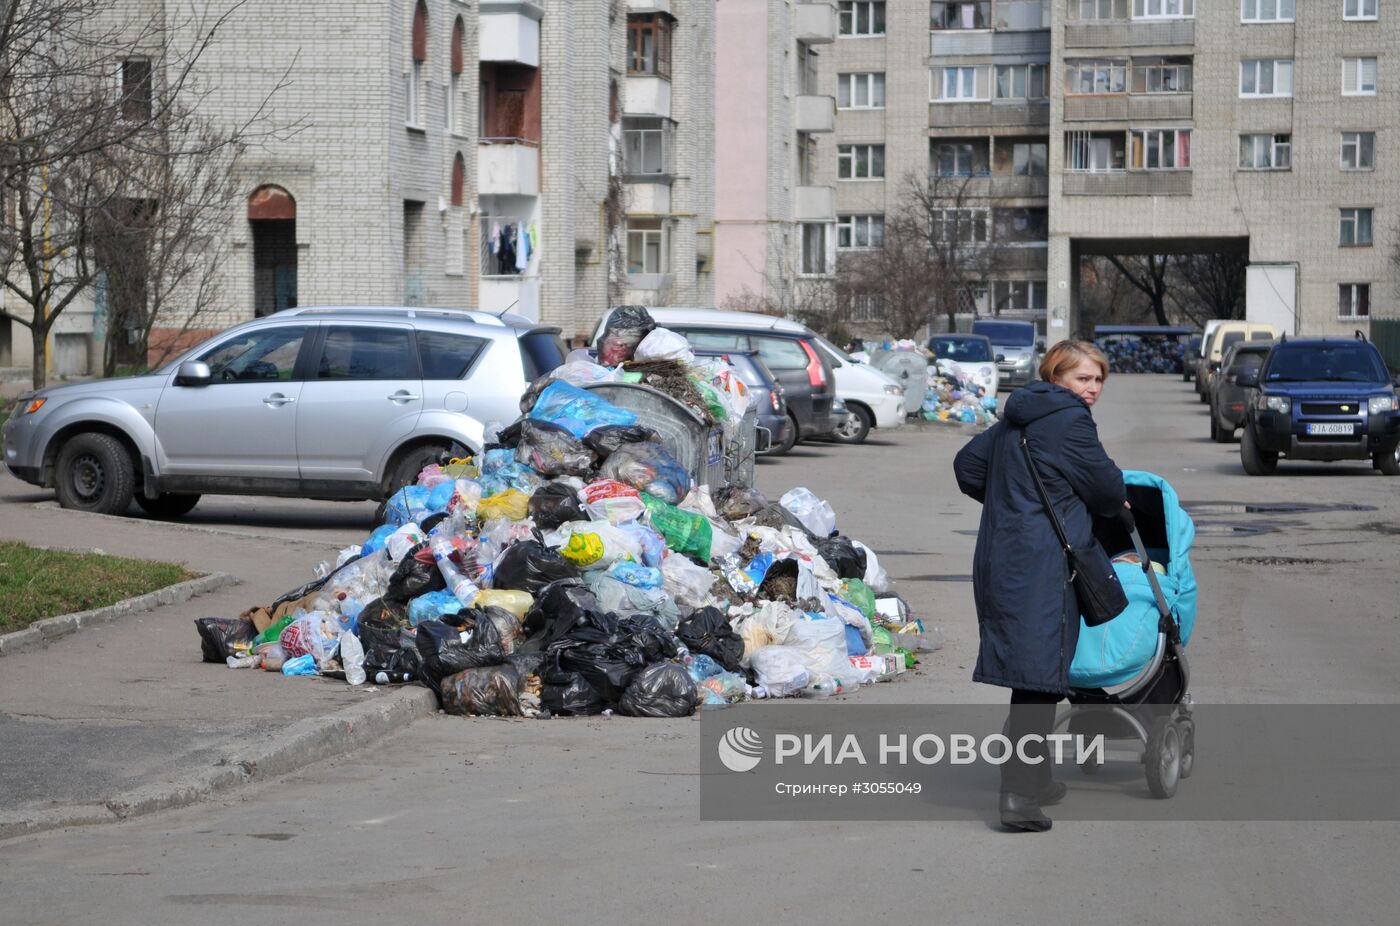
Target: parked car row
1318 399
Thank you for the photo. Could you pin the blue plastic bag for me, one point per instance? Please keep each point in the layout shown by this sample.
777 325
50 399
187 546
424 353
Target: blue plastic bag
703 667
441 494
578 410
432 606
376 540
407 504
495 459
653 544
511 476
300 665
854 644
636 575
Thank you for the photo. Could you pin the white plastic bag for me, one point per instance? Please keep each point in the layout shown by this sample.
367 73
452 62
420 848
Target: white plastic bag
876 577
770 625
822 646
664 344
815 514
688 583
838 609
781 670
403 540
594 544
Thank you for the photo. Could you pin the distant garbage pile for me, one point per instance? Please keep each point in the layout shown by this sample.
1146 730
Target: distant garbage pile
951 394
578 567
1145 354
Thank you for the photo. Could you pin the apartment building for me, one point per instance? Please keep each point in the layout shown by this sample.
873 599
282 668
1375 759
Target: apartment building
550 157
1053 130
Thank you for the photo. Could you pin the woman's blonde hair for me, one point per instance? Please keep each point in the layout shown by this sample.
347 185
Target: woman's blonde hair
1066 355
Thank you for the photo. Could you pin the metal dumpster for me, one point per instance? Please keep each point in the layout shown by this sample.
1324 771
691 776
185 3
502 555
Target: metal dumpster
910 368
700 448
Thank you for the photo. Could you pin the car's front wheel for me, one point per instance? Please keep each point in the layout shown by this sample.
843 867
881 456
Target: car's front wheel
167 504
1388 463
94 473
409 463
856 427
1256 462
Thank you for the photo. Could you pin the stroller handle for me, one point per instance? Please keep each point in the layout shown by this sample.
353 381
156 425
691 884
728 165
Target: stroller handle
1125 518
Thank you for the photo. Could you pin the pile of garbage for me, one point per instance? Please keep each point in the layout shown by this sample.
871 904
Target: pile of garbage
1144 354
955 399
575 568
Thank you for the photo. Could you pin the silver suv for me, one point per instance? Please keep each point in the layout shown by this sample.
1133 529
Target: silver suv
334 403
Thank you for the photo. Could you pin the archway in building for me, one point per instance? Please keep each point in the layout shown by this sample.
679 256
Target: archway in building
1158 281
272 218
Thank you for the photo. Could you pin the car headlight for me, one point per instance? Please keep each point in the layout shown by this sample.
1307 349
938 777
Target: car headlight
1382 403
894 389
1272 403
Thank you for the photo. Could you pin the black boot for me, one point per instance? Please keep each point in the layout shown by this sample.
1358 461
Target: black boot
1019 812
1053 793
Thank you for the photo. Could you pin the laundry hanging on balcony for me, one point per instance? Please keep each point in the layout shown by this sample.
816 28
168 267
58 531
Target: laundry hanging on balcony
511 245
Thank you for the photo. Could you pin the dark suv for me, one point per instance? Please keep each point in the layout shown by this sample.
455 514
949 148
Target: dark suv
1321 399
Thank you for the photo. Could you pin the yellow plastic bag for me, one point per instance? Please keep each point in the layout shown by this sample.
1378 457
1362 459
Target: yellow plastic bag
583 549
512 504
461 468
509 599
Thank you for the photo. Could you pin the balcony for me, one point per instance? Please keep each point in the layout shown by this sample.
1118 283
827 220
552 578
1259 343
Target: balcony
1127 183
956 43
816 114
1026 258
651 6
519 295
991 186
646 197
647 96
814 204
816 23
1119 107
508 167
1130 34
988 115
510 31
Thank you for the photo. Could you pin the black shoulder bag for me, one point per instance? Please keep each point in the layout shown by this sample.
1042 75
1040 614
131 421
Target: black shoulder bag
1096 586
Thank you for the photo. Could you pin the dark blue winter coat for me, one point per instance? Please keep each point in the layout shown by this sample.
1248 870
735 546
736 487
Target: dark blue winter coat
1026 609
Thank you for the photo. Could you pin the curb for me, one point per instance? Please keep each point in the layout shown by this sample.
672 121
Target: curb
191 528
277 753
39 633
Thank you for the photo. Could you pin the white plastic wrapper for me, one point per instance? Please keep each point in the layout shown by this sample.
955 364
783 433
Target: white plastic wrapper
781 670
815 513
665 344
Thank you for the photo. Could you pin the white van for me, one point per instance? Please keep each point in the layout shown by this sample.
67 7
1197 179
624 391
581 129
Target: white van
874 398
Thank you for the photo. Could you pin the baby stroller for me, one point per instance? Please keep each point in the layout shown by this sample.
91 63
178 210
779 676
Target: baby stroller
1130 679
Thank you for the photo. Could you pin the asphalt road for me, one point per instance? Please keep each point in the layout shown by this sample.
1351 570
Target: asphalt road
596 820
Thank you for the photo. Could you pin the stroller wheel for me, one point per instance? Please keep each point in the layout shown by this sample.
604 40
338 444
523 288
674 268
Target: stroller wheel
1163 758
1187 732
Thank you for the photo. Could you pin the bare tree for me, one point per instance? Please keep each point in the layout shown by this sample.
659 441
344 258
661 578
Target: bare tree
1209 285
1148 274
787 292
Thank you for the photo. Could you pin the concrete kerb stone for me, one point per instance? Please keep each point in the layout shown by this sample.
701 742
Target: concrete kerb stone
41 632
287 750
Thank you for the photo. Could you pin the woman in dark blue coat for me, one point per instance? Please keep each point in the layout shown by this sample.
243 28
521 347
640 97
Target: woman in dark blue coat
1026 609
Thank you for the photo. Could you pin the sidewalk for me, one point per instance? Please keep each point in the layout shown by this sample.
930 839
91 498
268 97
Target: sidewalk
128 708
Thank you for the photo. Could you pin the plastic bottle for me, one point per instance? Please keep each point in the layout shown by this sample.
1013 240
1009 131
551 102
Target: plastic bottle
352 657
462 588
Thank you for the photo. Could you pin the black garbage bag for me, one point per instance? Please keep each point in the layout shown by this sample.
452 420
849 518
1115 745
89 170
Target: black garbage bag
603 441
444 652
609 652
508 438
413 577
708 631
431 521
391 611
555 504
529 566
653 640
569 694
526 663
626 327
735 502
219 637
390 648
558 607
315 585
843 556
552 450
489 691
661 690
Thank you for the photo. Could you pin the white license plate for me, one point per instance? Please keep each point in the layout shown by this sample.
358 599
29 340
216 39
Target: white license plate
1346 430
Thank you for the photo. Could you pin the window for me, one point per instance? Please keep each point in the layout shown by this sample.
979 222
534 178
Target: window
1358 151
867 307
1022 295
781 353
447 356
860 91
366 354
1094 152
960 15
1029 159
1359 9
649 45
136 89
860 162
860 231
1266 11
540 352
862 17
457 54
1089 75
647 246
1266 152
960 83
814 256
1354 300
1358 76
1164 9
715 340
1091 10
1160 149
960 226
644 149
414 82
1021 227
1260 77
1020 81
1163 75
1023 14
270 353
1356 227
959 159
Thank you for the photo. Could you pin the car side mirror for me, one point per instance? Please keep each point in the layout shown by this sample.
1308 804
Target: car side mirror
1247 378
1001 358
1040 346
193 373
